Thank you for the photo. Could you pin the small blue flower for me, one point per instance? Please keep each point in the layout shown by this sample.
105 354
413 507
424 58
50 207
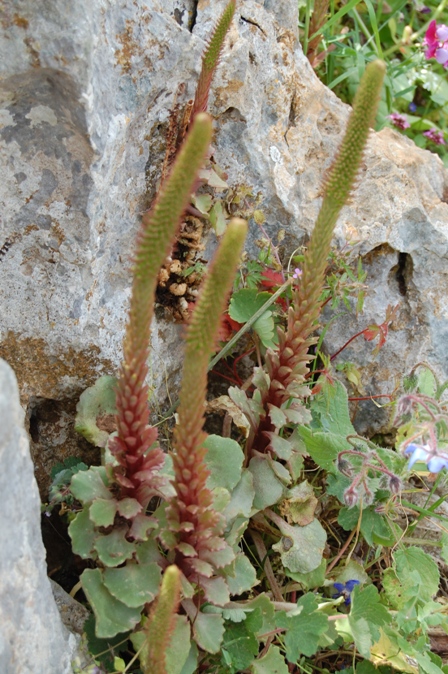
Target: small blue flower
418 453
412 107
345 590
436 463
434 460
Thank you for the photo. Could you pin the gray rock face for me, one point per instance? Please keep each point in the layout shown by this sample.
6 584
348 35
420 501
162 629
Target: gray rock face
33 639
86 91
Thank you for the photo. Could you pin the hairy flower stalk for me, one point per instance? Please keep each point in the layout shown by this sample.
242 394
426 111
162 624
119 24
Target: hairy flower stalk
288 366
135 437
210 59
191 513
161 623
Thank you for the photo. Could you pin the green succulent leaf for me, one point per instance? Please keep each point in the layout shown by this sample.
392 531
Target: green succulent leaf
129 508
224 459
301 548
83 535
312 579
133 584
268 488
102 512
271 663
208 631
88 485
216 590
241 499
112 616
95 402
113 549
178 651
243 576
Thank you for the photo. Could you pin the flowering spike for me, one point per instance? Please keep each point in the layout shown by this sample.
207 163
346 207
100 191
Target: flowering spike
210 59
157 232
161 623
306 308
194 500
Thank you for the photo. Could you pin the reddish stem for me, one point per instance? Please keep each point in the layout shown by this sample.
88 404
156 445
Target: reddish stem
358 334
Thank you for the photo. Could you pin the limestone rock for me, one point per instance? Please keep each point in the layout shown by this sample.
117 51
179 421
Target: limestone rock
32 637
86 91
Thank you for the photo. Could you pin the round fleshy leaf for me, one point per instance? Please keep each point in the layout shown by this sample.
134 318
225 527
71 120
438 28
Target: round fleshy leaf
83 535
224 459
102 512
111 616
301 548
268 488
129 507
88 485
97 402
114 549
133 584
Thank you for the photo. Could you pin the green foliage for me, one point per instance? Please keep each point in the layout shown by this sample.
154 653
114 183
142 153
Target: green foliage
357 32
211 58
251 579
244 304
95 403
304 626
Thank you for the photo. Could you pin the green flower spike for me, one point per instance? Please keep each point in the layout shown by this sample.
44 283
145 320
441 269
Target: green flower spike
161 623
191 513
210 59
137 465
288 366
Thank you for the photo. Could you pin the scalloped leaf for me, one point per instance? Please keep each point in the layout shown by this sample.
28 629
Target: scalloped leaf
244 576
224 459
268 488
95 402
114 549
208 631
133 584
129 507
271 663
111 616
242 498
88 485
301 548
102 512
215 590
83 535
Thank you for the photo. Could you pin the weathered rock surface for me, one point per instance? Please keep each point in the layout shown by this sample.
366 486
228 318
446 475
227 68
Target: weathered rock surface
33 639
85 92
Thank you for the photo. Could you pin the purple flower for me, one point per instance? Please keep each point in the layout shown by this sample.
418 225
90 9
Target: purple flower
436 41
399 121
435 136
345 590
412 107
297 273
425 10
434 459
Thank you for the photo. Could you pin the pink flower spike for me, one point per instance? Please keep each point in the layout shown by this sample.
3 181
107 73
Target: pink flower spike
399 121
435 136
